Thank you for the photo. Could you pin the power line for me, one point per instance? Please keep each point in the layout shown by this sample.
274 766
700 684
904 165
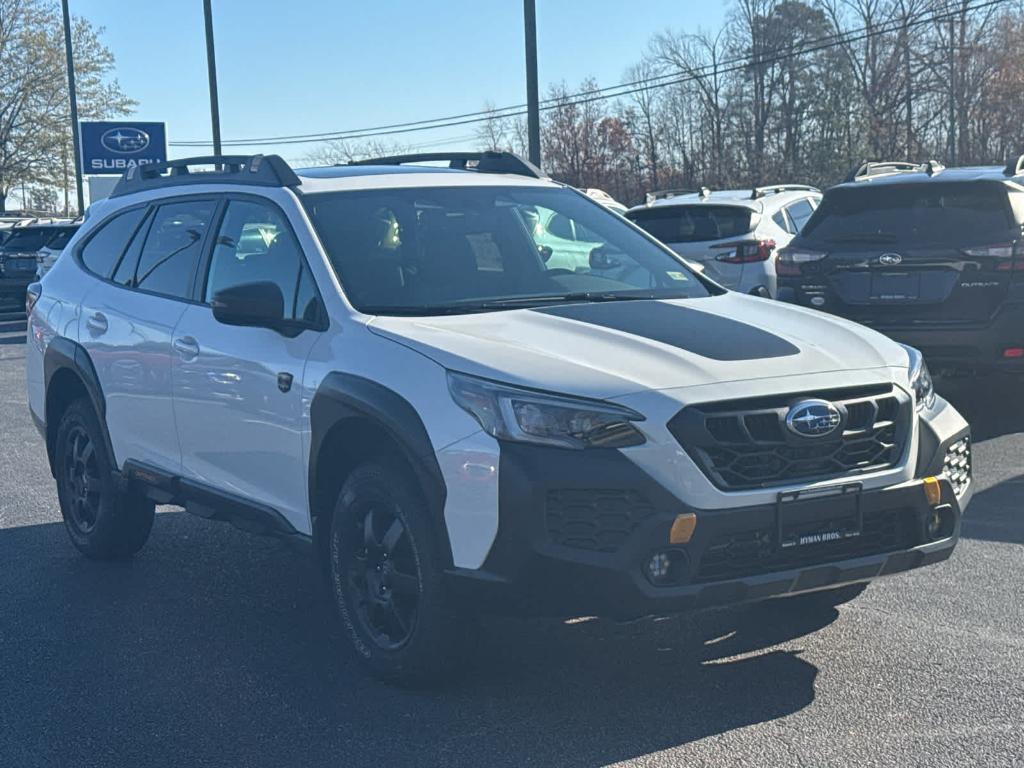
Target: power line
723 67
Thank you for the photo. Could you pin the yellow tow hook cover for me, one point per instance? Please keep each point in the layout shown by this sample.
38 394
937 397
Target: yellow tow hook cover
682 528
932 490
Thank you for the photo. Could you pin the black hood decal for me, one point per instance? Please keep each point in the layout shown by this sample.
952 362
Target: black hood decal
702 333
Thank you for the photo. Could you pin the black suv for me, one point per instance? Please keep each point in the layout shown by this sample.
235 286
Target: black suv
19 261
931 256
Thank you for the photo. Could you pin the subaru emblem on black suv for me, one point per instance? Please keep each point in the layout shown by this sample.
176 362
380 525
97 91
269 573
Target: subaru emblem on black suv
813 418
890 259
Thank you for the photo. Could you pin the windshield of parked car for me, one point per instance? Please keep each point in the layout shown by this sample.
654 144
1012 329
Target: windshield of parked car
464 249
29 239
951 213
693 223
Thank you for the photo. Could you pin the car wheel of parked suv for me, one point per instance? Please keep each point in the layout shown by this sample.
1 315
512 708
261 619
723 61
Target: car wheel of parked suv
386 578
104 521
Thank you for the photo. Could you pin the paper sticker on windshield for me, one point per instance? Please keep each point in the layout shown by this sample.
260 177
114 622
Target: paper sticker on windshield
677 275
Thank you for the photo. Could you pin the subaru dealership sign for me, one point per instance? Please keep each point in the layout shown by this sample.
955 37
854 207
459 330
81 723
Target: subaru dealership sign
114 147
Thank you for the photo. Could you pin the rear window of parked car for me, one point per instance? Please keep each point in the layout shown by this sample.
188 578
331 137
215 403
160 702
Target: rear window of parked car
693 223
957 213
104 248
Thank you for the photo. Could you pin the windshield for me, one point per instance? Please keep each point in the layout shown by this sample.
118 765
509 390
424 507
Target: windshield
694 223
464 249
29 239
953 213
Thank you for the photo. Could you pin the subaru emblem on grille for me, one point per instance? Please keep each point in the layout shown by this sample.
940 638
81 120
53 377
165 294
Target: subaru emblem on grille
890 259
813 418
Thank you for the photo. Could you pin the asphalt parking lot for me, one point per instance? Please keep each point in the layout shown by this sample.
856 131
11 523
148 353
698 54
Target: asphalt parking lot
213 647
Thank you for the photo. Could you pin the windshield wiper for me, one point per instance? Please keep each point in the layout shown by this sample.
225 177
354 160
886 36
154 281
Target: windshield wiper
865 237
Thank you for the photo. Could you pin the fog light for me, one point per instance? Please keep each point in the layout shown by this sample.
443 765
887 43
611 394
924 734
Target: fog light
932 490
666 567
939 523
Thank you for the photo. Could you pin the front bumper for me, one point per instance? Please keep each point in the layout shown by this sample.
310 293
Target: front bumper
578 541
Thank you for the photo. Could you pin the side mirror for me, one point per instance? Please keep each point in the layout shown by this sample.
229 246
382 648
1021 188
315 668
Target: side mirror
601 260
259 305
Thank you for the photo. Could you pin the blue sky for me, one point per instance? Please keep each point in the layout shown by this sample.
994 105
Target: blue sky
310 66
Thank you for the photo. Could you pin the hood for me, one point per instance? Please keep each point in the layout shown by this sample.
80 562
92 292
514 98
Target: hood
605 350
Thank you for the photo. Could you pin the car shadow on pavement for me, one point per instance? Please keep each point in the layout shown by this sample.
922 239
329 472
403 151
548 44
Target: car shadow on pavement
995 513
991 406
215 648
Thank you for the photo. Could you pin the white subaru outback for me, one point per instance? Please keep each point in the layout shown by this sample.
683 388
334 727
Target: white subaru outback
378 361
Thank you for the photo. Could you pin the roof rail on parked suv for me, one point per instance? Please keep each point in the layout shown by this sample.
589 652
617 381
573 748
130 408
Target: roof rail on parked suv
870 169
1015 167
759 192
257 170
481 162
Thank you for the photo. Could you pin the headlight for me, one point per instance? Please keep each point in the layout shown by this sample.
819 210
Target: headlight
511 413
920 379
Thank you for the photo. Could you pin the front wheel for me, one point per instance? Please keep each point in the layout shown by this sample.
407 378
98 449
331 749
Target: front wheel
104 521
387 578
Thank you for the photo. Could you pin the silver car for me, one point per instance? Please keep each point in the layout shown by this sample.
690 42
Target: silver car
732 234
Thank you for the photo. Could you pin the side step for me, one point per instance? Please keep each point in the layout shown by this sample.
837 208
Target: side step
204 501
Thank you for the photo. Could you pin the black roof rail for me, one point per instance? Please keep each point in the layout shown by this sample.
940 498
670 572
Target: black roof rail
481 162
255 170
758 192
1015 167
873 168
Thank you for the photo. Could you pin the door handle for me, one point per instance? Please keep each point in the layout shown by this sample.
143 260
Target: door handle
97 323
186 347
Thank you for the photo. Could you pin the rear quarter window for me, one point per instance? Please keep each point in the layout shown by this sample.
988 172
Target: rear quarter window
104 247
693 223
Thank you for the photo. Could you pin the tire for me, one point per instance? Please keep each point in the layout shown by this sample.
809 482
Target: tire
386 579
104 521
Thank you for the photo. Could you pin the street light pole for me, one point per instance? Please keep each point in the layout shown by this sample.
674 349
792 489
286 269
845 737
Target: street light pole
69 55
532 98
211 67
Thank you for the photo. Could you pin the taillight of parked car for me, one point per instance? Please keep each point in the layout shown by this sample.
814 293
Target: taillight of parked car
32 294
746 252
791 260
1008 257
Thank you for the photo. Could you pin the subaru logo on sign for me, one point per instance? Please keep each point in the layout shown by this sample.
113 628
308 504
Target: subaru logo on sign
125 140
813 418
890 259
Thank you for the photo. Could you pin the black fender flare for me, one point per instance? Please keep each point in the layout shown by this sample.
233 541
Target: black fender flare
344 396
62 353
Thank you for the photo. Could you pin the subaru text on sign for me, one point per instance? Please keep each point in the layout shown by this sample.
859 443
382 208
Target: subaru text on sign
114 147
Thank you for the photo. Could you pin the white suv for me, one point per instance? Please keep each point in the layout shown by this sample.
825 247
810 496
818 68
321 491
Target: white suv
733 234
376 360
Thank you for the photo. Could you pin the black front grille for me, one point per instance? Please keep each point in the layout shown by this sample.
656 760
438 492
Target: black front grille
745 444
754 551
598 519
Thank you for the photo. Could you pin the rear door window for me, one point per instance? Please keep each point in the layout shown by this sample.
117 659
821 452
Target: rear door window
800 212
693 223
173 245
952 213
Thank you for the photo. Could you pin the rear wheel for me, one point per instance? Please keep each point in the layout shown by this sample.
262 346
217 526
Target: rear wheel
104 521
386 578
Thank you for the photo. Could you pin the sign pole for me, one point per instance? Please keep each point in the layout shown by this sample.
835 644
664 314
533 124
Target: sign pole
532 98
74 106
211 67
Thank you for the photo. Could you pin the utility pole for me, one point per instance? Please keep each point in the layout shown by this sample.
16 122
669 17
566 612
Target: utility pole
74 106
211 68
532 98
